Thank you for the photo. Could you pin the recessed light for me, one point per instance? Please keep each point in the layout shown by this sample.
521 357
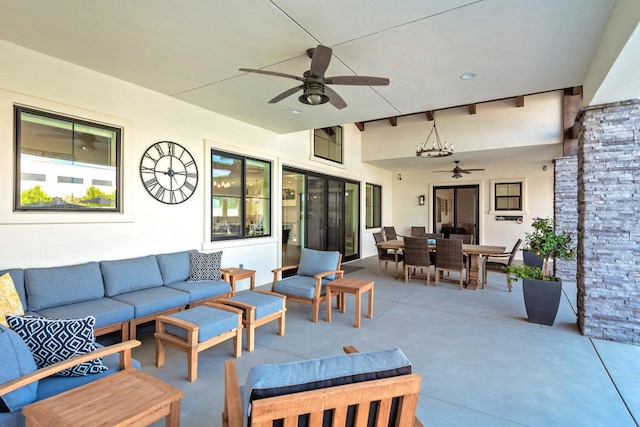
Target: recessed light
467 76
296 111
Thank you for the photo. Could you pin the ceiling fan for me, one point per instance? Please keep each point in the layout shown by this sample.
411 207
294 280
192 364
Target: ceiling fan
88 140
314 84
457 171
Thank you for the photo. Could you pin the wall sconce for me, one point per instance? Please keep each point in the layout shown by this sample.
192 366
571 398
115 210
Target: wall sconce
421 199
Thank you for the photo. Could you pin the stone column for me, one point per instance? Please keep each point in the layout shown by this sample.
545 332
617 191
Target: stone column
608 275
566 209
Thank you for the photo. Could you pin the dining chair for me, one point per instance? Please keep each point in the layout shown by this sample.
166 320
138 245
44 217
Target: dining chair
416 255
386 256
434 235
492 263
467 239
390 233
449 257
417 231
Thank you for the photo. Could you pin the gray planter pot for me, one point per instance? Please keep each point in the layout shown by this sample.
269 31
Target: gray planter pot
531 259
542 299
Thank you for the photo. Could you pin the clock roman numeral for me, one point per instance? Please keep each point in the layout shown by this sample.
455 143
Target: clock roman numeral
172 197
147 169
190 186
158 148
160 193
172 149
151 183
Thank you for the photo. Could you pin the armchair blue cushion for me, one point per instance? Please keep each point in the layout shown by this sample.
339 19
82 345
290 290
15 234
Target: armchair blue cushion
15 360
299 286
313 262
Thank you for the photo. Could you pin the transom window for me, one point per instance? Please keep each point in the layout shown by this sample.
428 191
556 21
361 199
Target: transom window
241 196
327 143
59 160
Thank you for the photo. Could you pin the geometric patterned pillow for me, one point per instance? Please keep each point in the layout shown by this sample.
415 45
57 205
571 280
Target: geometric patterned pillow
205 266
55 340
9 299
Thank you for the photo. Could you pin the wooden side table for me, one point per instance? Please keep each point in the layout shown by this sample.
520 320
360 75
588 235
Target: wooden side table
233 274
345 285
128 397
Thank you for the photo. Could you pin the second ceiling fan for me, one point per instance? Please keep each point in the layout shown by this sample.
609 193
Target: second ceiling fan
457 171
314 84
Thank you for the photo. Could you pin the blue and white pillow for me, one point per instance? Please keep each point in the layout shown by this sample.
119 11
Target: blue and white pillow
55 340
205 266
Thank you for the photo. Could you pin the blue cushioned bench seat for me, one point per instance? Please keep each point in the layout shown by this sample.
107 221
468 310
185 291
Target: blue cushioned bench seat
198 329
258 309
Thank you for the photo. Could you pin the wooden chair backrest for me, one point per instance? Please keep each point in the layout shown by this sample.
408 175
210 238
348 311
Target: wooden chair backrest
514 251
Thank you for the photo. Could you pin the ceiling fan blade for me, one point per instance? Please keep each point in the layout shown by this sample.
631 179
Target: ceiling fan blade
285 94
465 171
320 60
357 80
334 99
472 170
441 171
271 73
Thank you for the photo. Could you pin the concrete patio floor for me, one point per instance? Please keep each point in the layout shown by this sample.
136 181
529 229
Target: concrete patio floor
482 363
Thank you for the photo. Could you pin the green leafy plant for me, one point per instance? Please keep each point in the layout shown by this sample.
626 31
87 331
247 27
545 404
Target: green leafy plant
547 244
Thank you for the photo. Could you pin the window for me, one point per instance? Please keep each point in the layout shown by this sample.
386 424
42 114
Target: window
59 157
374 206
327 143
508 196
241 196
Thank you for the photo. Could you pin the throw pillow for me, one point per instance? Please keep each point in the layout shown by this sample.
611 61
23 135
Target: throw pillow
9 299
205 266
55 340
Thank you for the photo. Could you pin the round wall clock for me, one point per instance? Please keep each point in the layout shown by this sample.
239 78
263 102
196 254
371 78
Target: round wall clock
169 172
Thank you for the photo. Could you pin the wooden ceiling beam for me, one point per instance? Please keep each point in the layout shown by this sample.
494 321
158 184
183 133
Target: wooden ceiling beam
520 101
472 108
360 126
393 121
429 115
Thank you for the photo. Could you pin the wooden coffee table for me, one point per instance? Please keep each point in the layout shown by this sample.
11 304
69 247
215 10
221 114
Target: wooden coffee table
233 274
126 398
345 285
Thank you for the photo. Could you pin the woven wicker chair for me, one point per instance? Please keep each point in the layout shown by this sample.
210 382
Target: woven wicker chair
390 233
449 257
416 255
467 239
417 231
490 264
386 256
434 235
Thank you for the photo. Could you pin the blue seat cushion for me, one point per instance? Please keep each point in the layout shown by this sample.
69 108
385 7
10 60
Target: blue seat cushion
299 286
202 290
16 360
54 286
153 300
174 267
286 378
107 311
313 262
212 322
265 304
133 274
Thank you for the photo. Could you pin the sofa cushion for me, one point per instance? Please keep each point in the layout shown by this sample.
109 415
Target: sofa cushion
299 286
313 262
106 311
54 286
264 304
133 274
174 267
153 300
286 378
55 340
17 275
15 360
9 299
206 289
205 266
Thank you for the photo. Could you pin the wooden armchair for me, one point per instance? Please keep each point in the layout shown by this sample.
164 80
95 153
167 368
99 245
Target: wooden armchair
315 269
391 401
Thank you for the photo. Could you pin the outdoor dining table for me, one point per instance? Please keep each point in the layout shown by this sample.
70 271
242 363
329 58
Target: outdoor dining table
472 251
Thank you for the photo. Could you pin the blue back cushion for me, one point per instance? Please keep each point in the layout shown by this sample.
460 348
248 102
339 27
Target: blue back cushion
275 380
55 286
133 274
175 267
15 360
313 262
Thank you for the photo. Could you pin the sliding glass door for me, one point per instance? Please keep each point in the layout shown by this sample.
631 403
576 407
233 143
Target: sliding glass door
455 210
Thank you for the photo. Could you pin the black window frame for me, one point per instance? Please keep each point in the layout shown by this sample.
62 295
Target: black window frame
328 130
375 205
518 197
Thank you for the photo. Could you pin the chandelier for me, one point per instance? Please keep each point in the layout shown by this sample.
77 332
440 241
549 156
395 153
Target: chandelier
435 148
221 185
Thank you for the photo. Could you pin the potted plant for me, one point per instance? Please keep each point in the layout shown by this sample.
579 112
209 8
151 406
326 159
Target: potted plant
541 289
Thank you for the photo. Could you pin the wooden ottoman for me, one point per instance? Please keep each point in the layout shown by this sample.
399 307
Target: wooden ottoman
197 329
259 307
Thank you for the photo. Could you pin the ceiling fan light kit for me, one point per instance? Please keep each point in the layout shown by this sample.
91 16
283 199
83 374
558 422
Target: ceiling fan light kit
435 149
457 171
314 84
